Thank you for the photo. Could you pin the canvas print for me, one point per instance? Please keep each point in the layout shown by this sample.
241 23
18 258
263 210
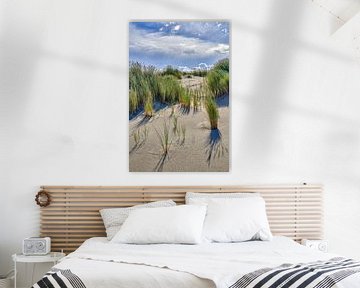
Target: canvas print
179 75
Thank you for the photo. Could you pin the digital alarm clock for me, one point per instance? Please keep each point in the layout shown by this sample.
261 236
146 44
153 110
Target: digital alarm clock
36 246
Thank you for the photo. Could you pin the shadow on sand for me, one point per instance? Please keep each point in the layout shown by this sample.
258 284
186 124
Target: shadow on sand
160 164
184 110
137 146
144 120
222 101
215 148
157 107
136 113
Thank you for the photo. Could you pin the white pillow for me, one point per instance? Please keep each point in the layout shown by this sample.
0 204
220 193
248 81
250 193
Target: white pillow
113 218
204 198
180 224
236 220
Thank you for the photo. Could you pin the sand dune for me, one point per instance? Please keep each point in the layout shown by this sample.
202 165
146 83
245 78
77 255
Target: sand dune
200 150
195 82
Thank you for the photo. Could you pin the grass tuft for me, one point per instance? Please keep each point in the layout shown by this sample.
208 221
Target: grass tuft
139 136
165 139
218 78
169 70
143 81
218 82
222 65
170 89
213 112
196 99
133 101
149 110
185 99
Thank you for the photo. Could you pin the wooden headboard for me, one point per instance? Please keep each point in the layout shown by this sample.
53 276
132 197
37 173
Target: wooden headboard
73 215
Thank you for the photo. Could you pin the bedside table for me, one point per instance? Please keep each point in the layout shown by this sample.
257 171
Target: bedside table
320 245
53 257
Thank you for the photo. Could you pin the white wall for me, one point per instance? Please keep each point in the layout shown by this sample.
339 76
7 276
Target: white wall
63 87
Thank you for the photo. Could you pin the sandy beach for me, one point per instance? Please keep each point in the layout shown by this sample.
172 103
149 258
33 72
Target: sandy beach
198 149
195 82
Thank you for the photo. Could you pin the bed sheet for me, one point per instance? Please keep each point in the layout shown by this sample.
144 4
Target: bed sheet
100 263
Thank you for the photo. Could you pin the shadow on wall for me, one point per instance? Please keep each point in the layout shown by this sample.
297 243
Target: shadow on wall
268 34
20 51
20 41
24 28
268 100
268 97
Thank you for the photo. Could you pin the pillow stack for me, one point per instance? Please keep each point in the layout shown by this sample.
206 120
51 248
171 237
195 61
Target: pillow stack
218 217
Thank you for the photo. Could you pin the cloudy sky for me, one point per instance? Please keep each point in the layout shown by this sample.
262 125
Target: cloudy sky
181 44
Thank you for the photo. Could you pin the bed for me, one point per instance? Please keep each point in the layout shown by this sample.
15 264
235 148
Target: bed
99 263
294 212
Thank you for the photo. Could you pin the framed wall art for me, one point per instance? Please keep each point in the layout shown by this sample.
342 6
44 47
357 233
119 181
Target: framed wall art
179 75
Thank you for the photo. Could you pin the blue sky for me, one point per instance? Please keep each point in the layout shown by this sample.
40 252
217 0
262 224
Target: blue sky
183 44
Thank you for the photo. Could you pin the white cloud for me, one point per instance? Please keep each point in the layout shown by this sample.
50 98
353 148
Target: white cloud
174 45
201 66
221 49
184 68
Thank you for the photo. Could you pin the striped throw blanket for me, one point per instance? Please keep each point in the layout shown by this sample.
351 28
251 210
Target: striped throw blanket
320 274
57 278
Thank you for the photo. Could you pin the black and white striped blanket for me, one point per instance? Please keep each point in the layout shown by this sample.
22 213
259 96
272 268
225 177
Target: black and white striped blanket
320 274
57 278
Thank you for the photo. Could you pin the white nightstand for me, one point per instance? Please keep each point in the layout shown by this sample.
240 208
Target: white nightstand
53 257
320 245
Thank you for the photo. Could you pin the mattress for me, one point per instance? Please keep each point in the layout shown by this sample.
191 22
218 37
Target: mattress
99 263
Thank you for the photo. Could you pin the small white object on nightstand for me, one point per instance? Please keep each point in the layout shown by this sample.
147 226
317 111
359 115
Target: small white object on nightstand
36 246
53 257
320 245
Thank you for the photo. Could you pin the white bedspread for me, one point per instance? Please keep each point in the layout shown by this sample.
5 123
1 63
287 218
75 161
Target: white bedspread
102 264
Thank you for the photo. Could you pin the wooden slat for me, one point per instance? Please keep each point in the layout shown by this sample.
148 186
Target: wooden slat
73 216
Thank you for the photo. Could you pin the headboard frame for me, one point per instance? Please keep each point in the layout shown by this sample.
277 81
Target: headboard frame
73 216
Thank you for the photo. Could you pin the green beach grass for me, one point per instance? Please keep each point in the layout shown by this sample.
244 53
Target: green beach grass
148 85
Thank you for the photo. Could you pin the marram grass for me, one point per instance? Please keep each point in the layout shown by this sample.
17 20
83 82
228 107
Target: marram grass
218 78
170 89
133 101
148 107
213 112
218 82
165 139
143 80
148 85
185 99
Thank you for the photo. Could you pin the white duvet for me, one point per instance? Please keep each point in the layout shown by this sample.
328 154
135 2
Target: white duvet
100 263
